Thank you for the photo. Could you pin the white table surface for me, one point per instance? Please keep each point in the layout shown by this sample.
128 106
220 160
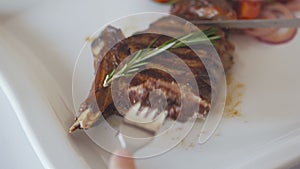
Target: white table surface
16 151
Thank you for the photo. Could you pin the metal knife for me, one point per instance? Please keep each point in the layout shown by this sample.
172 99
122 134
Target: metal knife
253 23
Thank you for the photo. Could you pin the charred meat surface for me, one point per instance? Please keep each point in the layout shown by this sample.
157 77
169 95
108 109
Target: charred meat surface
151 79
203 9
173 27
110 50
193 10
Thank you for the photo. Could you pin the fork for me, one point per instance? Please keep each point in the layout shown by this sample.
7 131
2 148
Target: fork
139 127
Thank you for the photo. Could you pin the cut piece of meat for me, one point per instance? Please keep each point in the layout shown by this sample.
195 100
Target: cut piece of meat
173 27
173 95
203 9
89 110
194 10
154 79
110 50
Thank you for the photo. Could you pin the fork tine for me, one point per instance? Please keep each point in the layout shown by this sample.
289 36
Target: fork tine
140 124
134 109
161 117
152 114
143 113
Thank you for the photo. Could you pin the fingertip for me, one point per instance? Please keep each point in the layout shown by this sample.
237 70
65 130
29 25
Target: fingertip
121 160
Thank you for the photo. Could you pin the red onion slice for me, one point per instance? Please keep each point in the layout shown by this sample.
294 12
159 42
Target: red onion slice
258 32
281 35
293 5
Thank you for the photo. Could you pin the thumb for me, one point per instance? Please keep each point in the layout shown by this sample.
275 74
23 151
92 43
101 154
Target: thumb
121 160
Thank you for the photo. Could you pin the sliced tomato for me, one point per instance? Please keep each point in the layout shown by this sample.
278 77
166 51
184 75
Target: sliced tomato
249 9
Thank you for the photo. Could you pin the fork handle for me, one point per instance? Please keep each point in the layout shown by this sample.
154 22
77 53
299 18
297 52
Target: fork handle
133 144
105 157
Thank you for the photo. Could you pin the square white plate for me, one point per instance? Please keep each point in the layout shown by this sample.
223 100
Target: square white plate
38 50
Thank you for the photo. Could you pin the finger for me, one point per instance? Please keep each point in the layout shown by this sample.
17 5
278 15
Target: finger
121 160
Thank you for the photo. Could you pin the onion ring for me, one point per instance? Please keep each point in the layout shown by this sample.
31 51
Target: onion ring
258 32
293 5
282 35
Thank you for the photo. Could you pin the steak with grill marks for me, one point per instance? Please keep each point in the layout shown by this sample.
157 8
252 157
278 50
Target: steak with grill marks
110 50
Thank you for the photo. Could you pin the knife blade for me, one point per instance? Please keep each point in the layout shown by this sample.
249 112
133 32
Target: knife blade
254 23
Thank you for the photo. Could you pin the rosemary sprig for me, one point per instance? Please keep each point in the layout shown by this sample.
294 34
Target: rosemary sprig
140 58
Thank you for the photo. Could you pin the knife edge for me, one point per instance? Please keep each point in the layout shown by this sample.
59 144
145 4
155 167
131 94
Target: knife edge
254 23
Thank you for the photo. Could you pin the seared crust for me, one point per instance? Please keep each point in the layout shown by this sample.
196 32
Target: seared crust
110 50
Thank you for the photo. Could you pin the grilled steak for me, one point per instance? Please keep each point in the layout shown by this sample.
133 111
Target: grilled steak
194 10
203 9
109 51
156 80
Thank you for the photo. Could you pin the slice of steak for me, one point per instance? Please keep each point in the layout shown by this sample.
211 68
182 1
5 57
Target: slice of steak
152 91
157 80
89 110
172 26
194 10
153 81
203 9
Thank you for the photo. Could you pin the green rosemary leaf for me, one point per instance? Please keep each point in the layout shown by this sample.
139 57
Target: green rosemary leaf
123 68
135 57
152 43
158 50
132 70
112 73
140 58
128 75
139 64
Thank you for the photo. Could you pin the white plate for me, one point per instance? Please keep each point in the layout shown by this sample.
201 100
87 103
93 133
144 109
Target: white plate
39 47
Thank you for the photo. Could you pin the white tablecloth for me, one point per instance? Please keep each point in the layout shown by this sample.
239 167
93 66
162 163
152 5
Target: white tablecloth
16 151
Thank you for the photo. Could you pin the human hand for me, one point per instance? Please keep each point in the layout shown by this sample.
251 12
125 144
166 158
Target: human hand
121 160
